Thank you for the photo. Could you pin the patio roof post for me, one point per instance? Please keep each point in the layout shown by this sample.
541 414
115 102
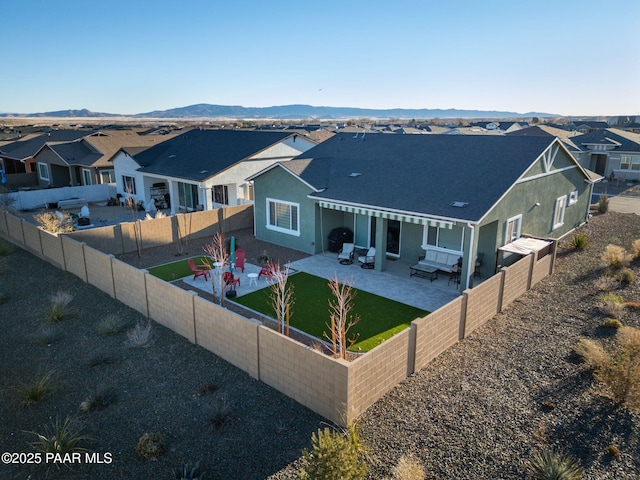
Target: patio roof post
381 244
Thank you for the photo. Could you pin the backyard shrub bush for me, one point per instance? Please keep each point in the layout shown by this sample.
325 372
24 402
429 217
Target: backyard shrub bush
150 445
55 222
635 249
611 323
547 464
36 390
188 471
111 324
626 276
605 283
615 256
407 468
618 371
603 204
611 304
60 438
579 241
140 335
334 455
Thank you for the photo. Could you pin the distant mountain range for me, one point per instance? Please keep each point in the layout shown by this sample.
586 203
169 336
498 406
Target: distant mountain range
291 112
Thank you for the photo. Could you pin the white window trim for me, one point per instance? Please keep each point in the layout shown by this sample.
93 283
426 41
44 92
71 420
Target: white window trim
517 218
46 170
280 229
573 198
558 216
124 185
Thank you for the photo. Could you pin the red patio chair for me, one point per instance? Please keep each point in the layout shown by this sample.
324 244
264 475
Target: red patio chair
230 280
198 271
239 263
266 270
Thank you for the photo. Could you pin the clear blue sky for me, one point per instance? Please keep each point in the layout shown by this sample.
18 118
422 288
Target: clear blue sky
570 57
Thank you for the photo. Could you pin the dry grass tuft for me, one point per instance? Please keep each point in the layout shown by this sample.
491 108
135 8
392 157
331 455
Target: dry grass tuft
592 353
407 468
615 256
140 335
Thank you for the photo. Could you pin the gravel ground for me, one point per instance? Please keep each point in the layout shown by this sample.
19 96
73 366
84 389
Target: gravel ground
475 412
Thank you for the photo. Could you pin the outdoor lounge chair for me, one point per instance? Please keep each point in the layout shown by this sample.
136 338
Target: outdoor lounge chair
239 260
266 270
368 260
198 271
346 254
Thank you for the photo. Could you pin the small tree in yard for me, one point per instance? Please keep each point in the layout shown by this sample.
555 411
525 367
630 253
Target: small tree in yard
341 321
220 257
281 296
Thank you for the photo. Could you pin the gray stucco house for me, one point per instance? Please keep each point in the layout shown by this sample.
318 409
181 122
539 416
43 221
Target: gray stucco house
409 194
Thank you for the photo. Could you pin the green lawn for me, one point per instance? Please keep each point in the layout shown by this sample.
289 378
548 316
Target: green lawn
175 270
380 318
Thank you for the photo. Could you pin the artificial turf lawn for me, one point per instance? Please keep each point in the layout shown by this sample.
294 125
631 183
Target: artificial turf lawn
380 318
175 270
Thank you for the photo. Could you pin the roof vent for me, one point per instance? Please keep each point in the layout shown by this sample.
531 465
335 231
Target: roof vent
459 204
355 174
172 156
204 171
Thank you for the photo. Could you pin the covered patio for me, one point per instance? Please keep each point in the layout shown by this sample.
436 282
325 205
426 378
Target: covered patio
394 283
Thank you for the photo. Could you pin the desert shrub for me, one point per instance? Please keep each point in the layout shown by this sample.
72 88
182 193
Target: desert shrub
334 455
407 468
579 241
548 464
605 283
101 397
47 335
55 222
111 324
619 372
611 323
603 203
626 276
60 438
205 388
635 249
220 411
3 298
37 389
611 304
150 445
57 312
592 353
613 451
188 471
61 298
615 256
140 335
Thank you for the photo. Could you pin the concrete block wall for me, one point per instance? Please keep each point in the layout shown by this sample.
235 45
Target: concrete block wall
156 232
31 235
171 306
130 286
311 378
52 249
516 279
228 335
74 256
3 224
439 330
372 375
482 303
98 268
14 229
107 239
541 269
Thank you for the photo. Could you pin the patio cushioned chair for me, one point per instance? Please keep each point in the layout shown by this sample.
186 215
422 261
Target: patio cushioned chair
198 271
346 254
368 260
266 270
239 263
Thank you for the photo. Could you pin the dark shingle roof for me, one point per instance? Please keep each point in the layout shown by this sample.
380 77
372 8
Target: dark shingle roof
419 173
199 154
28 148
629 142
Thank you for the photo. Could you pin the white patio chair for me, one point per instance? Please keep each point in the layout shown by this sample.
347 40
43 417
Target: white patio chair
346 254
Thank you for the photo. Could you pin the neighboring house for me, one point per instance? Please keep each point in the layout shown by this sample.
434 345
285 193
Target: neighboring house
87 160
203 169
610 152
17 157
566 136
587 126
404 194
